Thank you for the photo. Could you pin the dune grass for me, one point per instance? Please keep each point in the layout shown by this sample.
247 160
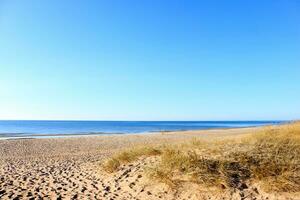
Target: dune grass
126 156
269 157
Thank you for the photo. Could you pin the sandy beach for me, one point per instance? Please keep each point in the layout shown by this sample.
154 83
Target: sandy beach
69 168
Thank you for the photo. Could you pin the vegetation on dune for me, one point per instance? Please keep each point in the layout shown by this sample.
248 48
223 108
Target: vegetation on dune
127 156
270 157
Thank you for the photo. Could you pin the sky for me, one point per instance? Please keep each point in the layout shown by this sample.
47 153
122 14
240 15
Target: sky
150 60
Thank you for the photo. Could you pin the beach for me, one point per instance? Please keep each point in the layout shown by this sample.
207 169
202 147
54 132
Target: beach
69 168
149 100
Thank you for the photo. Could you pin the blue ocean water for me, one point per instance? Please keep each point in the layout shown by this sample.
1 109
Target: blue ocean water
35 128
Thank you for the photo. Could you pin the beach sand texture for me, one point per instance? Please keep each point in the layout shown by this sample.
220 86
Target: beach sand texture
69 168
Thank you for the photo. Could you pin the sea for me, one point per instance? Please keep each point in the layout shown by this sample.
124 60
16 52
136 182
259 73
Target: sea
10 129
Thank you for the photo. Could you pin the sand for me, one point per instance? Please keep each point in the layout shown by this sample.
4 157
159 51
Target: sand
69 168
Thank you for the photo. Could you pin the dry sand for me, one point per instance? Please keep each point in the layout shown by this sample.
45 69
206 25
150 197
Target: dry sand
69 168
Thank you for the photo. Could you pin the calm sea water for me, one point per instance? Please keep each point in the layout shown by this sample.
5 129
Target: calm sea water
22 128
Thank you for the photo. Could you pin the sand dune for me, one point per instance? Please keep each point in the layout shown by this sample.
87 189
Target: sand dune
69 168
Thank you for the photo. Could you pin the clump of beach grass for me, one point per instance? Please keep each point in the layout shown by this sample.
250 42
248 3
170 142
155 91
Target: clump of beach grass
273 157
269 157
178 166
126 156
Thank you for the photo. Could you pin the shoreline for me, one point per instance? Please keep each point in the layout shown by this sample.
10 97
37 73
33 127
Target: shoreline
91 134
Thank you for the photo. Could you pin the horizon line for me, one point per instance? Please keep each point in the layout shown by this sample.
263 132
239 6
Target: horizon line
118 120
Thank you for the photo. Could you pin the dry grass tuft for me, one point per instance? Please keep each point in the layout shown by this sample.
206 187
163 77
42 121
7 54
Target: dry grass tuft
273 157
190 166
111 165
127 156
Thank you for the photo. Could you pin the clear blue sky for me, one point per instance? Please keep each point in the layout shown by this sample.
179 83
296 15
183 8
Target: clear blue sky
150 60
